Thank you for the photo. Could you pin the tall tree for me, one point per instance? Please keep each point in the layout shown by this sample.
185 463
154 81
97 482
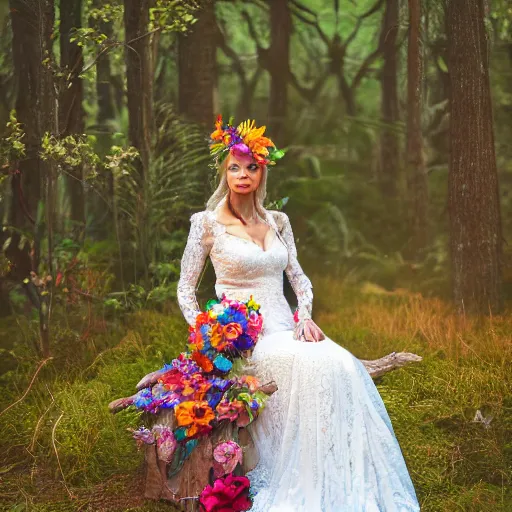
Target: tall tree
71 112
32 28
33 178
389 144
416 168
139 76
197 50
474 205
279 65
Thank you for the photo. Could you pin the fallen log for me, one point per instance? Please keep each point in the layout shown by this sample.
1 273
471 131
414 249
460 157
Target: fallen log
375 367
378 367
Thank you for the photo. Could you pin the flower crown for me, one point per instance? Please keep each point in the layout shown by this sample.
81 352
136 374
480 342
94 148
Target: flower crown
245 139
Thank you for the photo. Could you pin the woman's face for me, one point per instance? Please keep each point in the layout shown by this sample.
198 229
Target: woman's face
243 174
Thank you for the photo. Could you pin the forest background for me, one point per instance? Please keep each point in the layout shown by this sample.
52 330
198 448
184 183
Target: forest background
396 117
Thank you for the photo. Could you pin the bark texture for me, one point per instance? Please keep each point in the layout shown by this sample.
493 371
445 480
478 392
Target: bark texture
139 75
279 67
32 26
104 79
197 67
474 206
416 168
71 112
389 145
32 178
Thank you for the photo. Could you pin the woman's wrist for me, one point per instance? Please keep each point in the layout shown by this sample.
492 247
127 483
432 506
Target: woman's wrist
301 314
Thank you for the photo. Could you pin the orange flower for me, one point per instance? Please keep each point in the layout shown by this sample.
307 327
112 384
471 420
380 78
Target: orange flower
217 134
201 390
216 335
251 382
232 331
201 319
194 415
202 361
253 138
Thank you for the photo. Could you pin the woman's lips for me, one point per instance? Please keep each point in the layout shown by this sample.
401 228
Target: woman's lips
243 186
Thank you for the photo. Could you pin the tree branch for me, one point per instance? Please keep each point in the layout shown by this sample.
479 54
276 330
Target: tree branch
314 23
364 68
360 20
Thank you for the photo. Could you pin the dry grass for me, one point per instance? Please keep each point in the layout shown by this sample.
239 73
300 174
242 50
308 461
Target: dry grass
411 318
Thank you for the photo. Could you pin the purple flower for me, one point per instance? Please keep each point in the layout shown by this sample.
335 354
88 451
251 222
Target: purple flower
240 149
243 342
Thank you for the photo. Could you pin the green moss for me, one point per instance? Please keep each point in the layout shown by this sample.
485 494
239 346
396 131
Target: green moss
455 463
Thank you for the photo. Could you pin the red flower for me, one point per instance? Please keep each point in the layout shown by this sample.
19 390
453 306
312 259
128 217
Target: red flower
202 361
228 494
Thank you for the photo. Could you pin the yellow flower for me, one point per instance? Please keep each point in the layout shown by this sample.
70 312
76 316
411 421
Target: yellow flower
253 304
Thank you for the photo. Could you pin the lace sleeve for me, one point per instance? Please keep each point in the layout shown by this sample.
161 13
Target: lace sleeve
298 279
192 264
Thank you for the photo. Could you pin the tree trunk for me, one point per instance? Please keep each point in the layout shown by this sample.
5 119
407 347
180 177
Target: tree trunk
32 26
416 169
139 75
389 143
100 225
473 199
104 86
197 67
71 112
279 60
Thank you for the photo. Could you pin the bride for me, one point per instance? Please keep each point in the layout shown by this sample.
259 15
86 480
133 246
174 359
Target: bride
325 440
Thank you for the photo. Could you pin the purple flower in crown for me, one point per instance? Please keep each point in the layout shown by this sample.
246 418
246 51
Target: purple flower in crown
240 149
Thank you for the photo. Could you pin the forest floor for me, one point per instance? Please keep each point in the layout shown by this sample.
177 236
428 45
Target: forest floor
62 450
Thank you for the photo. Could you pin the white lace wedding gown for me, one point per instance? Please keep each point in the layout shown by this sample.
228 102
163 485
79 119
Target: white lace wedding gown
325 439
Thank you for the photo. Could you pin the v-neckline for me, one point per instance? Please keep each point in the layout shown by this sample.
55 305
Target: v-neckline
248 240
252 242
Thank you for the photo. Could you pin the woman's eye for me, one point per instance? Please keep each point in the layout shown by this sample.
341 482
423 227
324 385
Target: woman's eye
253 168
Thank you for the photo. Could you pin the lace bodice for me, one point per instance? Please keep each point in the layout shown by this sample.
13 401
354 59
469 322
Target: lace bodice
243 268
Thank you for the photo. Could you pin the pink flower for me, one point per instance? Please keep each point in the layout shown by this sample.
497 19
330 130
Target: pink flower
142 436
165 442
227 455
254 324
229 410
228 494
240 149
243 419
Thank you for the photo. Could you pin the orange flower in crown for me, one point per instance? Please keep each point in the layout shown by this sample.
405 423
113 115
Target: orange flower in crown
245 139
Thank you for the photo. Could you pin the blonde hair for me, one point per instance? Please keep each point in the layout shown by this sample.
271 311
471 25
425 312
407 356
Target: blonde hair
222 190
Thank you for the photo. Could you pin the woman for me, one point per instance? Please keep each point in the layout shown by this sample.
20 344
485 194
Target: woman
325 440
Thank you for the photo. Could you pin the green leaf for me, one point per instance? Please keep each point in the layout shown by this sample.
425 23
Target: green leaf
442 64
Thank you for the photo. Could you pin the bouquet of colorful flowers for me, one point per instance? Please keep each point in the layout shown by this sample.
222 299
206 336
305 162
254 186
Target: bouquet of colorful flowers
205 392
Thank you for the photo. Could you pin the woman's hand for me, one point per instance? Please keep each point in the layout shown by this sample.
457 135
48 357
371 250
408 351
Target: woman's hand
308 331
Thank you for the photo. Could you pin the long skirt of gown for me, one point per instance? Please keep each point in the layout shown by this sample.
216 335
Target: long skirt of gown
325 440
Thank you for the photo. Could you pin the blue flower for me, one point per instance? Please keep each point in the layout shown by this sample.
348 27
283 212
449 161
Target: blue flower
232 315
143 398
223 364
213 398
